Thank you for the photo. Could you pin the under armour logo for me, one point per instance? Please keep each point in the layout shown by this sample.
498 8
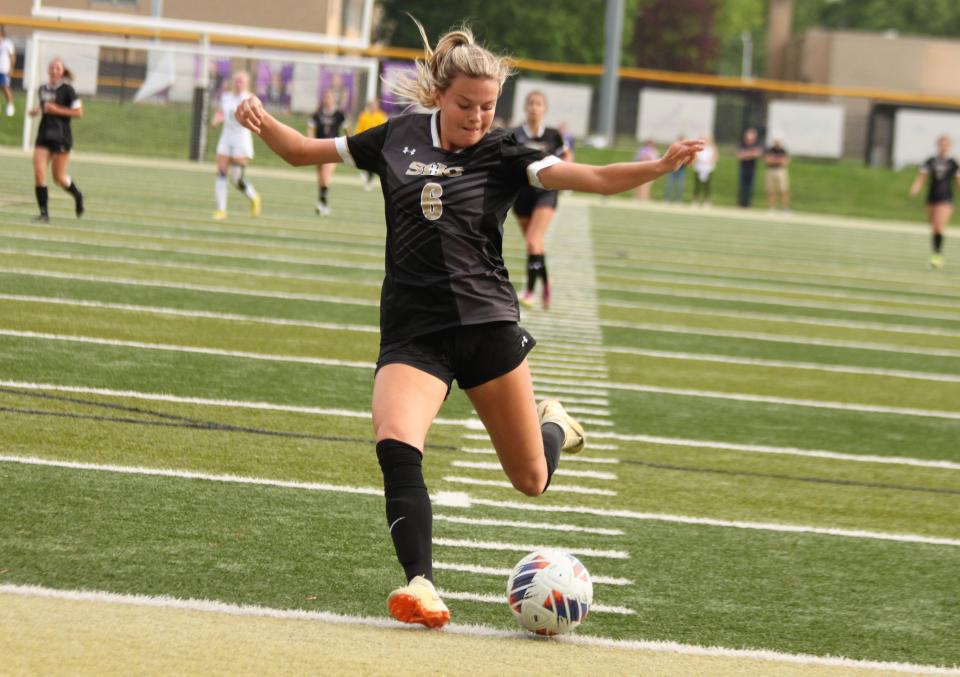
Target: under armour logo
524 340
409 151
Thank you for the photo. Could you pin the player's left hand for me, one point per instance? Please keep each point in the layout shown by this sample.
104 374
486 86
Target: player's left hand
681 153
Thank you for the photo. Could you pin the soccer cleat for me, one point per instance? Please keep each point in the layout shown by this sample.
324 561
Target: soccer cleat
322 209
546 297
10 110
219 215
255 205
937 261
418 602
551 411
526 299
78 205
40 218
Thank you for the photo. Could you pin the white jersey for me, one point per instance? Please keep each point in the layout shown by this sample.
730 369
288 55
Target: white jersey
705 162
7 50
235 140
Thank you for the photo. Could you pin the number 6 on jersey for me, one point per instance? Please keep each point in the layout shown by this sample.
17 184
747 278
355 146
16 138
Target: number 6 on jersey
430 201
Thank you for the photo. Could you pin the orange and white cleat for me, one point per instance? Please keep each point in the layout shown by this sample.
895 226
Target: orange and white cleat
418 602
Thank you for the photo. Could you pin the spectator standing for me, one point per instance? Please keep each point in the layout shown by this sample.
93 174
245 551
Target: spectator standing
748 153
778 177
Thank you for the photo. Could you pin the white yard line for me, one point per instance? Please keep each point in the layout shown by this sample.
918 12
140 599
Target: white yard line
808 366
858 309
734 524
783 451
193 267
213 289
505 573
320 361
782 338
469 544
763 399
199 314
519 524
225 608
211 253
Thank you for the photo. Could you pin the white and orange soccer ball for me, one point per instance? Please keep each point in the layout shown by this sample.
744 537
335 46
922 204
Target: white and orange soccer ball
550 592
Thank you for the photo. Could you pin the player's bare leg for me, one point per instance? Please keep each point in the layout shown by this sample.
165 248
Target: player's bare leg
939 215
41 157
61 178
528 447
324 177
535 236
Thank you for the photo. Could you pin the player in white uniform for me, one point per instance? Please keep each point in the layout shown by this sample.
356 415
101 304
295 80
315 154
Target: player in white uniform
8 59
235 148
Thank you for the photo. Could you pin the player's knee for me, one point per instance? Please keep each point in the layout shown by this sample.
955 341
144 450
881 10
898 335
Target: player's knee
532 484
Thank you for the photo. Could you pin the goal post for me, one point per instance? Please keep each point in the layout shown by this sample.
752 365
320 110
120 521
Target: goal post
155 98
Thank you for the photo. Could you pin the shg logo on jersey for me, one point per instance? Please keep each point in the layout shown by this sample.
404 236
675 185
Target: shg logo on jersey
433 169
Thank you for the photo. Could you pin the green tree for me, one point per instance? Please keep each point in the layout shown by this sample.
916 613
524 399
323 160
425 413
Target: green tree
676 35
561 30
911 17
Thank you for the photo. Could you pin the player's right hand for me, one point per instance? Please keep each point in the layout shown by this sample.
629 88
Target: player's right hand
250 113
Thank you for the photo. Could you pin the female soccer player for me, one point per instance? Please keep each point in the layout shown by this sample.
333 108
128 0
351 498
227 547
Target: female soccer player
942 171
58 103
535 207
326 123
235 148
448 310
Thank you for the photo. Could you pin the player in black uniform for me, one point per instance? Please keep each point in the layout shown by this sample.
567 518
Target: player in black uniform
326 123
534 206
58 103
447 308
942 171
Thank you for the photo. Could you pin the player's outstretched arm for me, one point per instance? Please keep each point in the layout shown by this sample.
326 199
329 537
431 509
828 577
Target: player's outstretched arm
618 177
285 141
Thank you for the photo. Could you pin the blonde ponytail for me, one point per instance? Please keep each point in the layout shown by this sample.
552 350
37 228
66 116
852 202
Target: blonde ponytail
456 53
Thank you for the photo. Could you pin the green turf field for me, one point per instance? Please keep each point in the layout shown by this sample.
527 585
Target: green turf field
772 406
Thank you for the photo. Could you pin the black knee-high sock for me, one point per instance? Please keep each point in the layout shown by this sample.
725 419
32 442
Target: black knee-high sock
534 264
937 242
323 194
73 190
409 515
42 196
552 441
543 272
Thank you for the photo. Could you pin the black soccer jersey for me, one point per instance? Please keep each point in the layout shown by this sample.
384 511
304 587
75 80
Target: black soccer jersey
942 172
55 129
549 140
444 211
327 125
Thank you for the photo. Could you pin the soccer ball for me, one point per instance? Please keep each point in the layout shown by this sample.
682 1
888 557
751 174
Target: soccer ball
550 592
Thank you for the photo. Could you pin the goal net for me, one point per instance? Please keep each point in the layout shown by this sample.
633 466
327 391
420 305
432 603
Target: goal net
157 99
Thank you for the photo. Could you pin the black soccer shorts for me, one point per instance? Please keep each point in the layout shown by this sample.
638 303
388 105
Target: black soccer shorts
530 198
473 354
